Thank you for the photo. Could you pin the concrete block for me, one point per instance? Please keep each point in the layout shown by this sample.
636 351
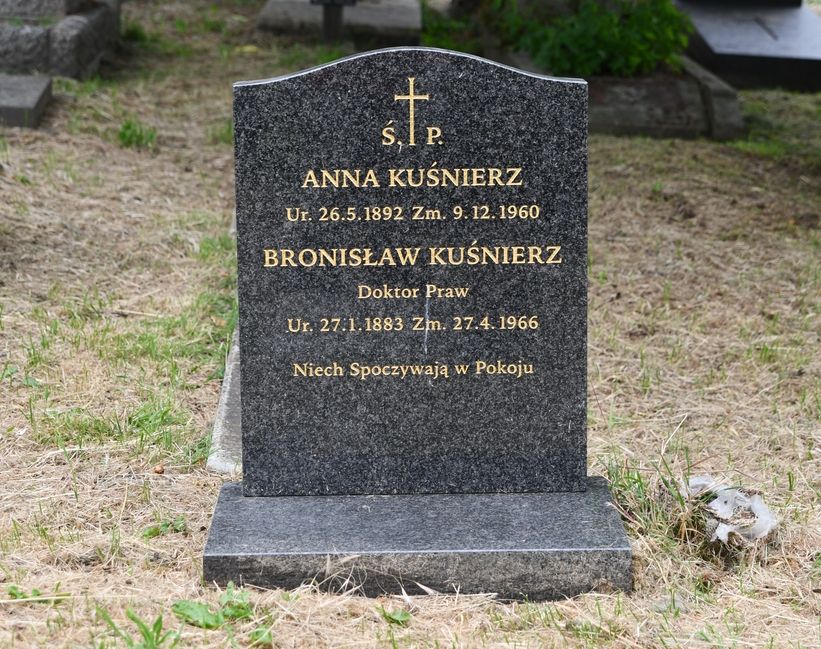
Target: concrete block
34 9
226 439
658 106
24 48
23 99
721 104
78 42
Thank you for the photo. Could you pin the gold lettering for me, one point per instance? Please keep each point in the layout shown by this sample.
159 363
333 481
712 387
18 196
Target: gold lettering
534 255
353 178
434 135
311 370
435 257
471 255
554 250
452 175
370 179
395 181
388 134
431 176
310 180
407 256
271 258
287 258
330 178
513 176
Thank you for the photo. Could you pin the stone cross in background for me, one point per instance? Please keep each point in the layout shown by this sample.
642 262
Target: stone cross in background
332 17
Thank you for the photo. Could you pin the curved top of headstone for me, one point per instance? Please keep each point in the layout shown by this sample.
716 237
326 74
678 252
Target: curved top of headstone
421 51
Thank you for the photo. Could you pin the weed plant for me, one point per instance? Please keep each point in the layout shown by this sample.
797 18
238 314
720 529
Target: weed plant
134 134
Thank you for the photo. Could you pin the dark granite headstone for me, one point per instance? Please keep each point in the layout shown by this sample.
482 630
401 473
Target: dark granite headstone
412 247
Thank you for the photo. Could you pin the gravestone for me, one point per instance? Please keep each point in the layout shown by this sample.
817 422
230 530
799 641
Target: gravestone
41 9
412 252
380 22
61 37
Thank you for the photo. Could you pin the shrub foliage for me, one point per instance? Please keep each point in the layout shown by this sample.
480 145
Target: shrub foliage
623 38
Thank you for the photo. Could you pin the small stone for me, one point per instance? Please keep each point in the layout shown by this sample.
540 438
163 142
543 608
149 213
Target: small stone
23 99
159 469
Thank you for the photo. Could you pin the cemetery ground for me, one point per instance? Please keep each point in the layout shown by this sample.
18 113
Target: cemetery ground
117 280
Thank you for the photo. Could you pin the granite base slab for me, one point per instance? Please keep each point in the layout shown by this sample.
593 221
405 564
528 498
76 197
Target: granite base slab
23 99
538 546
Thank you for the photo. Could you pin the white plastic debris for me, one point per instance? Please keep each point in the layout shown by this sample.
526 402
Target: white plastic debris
737 511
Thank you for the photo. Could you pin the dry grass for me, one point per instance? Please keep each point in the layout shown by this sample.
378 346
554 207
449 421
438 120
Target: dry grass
116 285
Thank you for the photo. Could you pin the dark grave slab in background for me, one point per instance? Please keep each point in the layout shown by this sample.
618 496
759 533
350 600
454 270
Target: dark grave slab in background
757 44
460 461
23 99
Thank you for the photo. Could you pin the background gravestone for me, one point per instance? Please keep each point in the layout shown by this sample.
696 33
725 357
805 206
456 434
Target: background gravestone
412 286
381 22
34 9
61 37
757 43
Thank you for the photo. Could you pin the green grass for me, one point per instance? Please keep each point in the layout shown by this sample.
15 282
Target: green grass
163 356
652 504
163 527
783 126
135 33
150 636
223 133
156 421
200 335
133 134
152 43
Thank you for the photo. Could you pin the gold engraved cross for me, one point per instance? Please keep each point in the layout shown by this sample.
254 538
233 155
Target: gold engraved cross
411 98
